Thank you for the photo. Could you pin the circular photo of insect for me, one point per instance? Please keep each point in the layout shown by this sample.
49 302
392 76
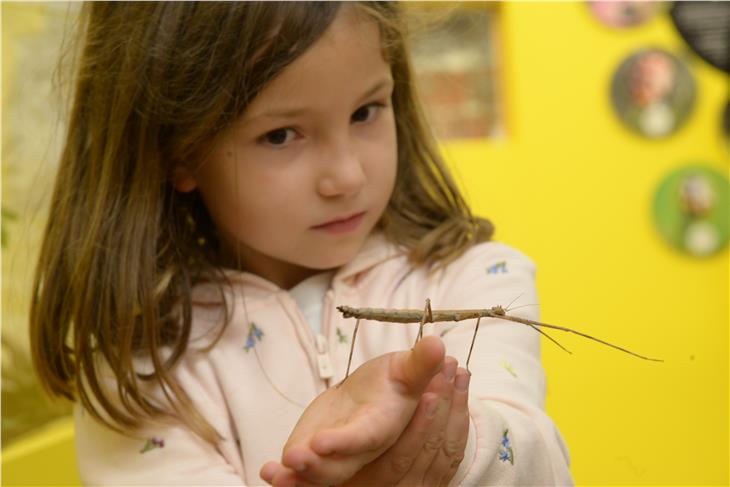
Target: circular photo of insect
692 209
653 93
624 14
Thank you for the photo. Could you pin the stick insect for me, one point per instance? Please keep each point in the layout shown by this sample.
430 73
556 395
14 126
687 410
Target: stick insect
431 316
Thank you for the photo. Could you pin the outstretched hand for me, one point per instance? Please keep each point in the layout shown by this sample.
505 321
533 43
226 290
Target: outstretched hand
428 453
350 425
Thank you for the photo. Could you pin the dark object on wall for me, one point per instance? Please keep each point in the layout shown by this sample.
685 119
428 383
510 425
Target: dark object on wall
705 27
653 92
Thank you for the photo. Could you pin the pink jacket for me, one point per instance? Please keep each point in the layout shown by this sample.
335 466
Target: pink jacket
268 365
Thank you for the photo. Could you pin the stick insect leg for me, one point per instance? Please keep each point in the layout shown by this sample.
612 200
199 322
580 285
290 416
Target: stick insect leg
471 347
352 349
426 312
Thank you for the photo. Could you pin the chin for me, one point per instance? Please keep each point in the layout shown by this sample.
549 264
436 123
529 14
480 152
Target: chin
330 260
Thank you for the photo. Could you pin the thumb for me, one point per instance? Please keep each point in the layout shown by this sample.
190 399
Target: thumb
415 368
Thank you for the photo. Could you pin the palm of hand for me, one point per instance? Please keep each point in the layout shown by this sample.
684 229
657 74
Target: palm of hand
350 425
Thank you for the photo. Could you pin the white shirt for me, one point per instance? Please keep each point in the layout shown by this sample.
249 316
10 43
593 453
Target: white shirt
309 296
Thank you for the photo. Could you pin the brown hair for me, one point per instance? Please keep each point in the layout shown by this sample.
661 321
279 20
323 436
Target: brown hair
156 82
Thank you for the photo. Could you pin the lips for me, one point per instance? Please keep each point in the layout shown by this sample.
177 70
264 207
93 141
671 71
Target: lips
339 225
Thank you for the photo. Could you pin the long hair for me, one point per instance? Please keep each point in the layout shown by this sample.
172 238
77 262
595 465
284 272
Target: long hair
156 83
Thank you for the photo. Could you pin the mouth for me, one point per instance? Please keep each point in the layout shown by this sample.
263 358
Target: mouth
342 225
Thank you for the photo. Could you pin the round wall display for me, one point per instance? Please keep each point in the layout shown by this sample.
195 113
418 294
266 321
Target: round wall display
705 27
692 208
624 14
653 92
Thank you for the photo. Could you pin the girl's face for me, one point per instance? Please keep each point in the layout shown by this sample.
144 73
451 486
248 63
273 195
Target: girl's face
317 145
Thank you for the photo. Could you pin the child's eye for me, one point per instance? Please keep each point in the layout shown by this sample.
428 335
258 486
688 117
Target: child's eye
278 137
367 112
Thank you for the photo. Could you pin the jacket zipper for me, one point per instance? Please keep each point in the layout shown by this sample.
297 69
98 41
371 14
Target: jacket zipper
324 358
324 363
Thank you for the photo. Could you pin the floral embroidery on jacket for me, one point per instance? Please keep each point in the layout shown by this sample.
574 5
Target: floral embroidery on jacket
254 333
499 267
506 454
153 443
341 337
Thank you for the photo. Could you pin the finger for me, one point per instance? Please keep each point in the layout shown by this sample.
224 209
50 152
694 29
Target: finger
268 471
286 477
447 461
321 470
415 369
443 385
331 470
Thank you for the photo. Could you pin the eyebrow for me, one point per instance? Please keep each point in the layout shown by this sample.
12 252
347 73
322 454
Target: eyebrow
284 113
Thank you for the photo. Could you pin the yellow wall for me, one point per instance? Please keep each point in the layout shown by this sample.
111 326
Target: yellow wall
573 188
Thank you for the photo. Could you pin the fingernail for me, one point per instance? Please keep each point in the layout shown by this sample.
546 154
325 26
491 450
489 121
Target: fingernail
462 382
450 370
432 407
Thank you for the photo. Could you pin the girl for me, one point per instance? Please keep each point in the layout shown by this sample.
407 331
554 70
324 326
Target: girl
231 174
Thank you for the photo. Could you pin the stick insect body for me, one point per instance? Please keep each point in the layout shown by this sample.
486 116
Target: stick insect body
427 315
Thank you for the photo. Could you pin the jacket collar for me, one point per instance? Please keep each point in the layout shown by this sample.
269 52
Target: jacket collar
375 250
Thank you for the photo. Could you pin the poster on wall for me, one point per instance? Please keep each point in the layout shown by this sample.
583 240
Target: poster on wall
653 92
624 14
692 209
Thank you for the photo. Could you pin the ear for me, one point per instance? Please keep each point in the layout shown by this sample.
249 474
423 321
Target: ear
183 179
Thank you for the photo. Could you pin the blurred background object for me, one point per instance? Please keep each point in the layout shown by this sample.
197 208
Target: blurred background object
529 126
625 14
31 133
653 92
459 72
705 27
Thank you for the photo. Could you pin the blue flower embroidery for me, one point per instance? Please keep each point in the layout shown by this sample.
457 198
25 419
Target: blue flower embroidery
506 454
153 443
505 440
499 267
254 333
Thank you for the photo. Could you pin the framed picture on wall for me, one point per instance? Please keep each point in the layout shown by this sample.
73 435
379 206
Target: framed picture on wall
457 65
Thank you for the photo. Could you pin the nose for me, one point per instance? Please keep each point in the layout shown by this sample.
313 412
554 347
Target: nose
342 172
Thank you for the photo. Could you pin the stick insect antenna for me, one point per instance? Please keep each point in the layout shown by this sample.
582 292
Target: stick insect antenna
507 310
510 304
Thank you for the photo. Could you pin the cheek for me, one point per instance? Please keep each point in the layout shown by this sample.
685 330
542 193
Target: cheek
384 153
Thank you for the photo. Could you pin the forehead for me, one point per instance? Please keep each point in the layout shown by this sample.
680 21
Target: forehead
345 61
